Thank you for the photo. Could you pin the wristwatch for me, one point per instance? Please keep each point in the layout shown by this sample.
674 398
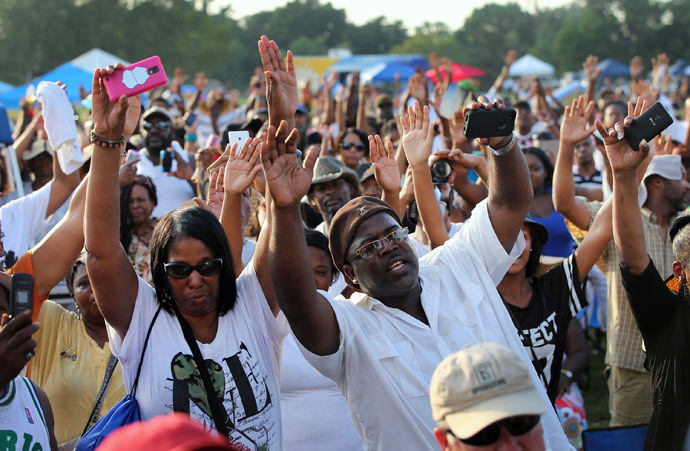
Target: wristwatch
505 149
568 373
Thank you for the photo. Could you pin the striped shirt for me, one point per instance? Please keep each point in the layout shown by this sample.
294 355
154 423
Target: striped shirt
624 342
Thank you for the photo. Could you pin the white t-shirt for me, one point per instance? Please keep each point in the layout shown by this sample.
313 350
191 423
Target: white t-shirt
22 220
171 191
244 355
422 249
386 358
248 249
315 415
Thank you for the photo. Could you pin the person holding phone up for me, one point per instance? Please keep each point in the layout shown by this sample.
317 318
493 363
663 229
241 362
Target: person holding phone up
26 417
197 311
382 346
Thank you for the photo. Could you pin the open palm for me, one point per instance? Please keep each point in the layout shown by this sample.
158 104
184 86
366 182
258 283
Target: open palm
242 167
418 137
574 127
286 179
281 81
386 168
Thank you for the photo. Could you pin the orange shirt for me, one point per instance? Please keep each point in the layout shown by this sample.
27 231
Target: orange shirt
26 264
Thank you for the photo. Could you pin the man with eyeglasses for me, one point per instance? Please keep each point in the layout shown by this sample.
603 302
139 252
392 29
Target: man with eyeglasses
482 398
157 131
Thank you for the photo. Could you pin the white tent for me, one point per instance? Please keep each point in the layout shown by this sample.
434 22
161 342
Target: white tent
94 58
529 65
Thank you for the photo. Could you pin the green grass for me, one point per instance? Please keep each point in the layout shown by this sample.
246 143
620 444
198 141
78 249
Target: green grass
597 393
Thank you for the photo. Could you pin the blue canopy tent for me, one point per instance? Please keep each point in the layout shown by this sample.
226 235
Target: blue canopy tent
68 73
385 72
613 69
4 87
363 62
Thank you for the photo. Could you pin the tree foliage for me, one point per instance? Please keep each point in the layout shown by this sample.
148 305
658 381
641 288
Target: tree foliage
186 33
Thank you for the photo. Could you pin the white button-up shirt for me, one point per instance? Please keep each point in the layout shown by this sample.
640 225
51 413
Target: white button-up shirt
386 357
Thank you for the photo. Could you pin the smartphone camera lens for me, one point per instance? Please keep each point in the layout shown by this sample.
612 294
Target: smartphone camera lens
440 171
501 125
154 70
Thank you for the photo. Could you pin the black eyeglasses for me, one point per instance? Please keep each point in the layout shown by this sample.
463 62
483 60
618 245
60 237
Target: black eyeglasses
517 425
209 267
369 249
160 125
350 145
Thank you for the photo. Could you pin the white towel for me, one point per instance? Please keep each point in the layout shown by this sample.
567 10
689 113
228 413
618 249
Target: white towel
58 117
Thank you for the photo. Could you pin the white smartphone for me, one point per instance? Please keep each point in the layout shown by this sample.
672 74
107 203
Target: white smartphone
238 137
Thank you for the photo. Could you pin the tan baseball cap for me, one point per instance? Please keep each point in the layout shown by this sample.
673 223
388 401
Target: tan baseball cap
482 384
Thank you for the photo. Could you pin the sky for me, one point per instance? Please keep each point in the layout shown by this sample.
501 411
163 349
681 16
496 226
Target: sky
451 12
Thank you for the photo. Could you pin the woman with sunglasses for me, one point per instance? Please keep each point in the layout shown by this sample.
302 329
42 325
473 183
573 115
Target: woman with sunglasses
196 311
351 147
137 201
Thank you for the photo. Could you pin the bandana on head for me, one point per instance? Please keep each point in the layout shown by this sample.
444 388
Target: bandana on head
666 166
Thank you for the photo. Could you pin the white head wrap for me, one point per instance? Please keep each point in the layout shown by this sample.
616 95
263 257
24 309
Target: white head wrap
666 166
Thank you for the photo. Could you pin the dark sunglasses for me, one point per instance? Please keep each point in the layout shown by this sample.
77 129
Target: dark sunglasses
160 125
350 145
489 435
209 267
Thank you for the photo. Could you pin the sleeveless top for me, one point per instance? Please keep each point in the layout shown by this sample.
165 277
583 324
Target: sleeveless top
22 422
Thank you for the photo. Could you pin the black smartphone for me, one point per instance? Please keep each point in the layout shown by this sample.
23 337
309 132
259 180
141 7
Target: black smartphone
22 293
483 123
166 157
649 124
190 119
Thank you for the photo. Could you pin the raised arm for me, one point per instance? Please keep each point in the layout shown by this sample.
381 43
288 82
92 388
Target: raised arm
281 83
310 315
113 279
574 129
628 233
385 170
596 240
62 186
592 74
418 137
510 190
56 253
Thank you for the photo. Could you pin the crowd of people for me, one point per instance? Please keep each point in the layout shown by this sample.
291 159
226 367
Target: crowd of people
356 274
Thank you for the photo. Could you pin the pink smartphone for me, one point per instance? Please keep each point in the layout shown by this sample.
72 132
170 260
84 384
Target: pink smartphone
136 78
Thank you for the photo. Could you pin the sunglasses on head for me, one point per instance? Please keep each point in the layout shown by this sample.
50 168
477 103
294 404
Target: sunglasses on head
350 145
158 124
180 270
517 425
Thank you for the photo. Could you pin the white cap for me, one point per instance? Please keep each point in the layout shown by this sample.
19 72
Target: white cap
482 384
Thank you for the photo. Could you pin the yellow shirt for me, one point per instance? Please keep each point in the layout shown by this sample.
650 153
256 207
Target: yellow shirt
70 367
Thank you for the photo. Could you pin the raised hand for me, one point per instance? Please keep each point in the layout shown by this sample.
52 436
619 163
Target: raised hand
418 88
483 102
663 145
575 119
281 82
457 124
621 156
636 67
215 195
590 67
178 80
510 58
287 180
386 169
439 91
242 167
112 120
418 136
329 83
200 81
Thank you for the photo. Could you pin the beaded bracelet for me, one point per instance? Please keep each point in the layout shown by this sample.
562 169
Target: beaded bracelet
102 142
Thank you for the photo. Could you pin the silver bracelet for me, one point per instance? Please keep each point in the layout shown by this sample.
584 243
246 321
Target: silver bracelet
505 149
